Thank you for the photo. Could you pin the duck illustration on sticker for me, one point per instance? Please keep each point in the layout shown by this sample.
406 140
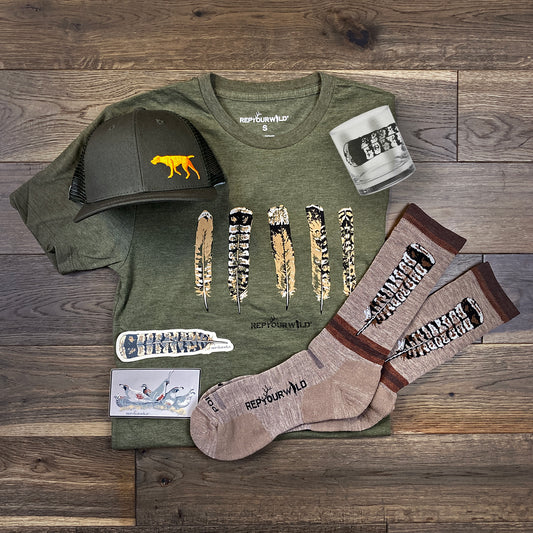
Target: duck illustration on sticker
154 393
138 345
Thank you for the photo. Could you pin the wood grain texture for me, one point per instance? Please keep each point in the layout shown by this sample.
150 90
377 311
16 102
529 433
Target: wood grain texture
266 35
487 388
495 116
515 274
65 481
492 527
454 478
40 306
44 111
55 390
488 204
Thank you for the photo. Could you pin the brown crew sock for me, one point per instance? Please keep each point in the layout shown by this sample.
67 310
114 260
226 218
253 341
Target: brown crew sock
443 327
337 376
450 320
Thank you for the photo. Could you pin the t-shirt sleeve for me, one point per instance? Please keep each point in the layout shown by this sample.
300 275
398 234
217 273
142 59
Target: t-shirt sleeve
42 202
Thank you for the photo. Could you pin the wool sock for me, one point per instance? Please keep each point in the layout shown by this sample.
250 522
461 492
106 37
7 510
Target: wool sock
337 376
451 319
447 322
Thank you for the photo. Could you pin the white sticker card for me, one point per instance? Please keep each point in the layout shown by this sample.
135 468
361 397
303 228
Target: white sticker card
154 393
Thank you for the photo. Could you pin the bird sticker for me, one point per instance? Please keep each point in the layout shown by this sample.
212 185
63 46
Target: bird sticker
154 393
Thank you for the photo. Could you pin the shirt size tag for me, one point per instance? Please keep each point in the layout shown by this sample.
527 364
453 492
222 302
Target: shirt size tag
154 393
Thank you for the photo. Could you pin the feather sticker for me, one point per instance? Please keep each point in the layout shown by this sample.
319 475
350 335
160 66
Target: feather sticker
203 260
240 227
415 263
137 345
465 316
319 253
283 251
348 250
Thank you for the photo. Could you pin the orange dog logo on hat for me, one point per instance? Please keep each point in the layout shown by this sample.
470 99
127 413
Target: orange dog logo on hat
174 161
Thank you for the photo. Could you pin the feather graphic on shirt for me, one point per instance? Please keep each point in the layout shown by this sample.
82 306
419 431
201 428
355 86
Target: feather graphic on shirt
348 250
415 263
283 251
203 260
137 345
240 227
319 253
437 333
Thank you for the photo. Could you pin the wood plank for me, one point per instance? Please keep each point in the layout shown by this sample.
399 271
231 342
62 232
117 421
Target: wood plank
235 528
350 482
65 481
495 116
38 306
275 35
489 204
46 110
515 274
55 390
487 388
492 527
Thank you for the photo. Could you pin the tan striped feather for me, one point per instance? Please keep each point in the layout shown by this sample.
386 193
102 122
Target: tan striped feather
320 272
240 227
283 251
203 260
348 250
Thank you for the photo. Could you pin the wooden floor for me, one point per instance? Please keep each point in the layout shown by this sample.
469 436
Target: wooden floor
460 457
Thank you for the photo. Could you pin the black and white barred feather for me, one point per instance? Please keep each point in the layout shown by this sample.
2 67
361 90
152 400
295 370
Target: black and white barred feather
320 271
240 227
415 263
348 250
437 333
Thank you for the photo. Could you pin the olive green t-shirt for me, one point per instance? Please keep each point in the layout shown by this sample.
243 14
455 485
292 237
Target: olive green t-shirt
283 175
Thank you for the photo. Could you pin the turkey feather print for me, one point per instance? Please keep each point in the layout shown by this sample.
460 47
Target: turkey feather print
320 274
240 227
465 316
415 263
137 345
203 260
348 250
283 251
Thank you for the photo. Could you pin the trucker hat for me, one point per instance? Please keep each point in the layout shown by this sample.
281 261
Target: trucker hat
143 156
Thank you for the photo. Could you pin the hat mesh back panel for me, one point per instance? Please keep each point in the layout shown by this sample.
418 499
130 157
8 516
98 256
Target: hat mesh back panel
76 191
214 171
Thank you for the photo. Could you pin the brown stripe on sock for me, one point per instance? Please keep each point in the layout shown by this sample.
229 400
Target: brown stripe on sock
392 379
444 237
363 346
494 292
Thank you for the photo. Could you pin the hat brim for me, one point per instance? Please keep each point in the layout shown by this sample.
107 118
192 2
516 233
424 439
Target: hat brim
89 209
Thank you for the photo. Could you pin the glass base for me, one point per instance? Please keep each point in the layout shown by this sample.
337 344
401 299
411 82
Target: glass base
383 182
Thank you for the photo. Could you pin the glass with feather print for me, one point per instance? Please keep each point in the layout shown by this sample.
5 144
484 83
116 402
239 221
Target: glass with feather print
373 150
